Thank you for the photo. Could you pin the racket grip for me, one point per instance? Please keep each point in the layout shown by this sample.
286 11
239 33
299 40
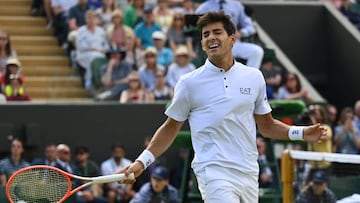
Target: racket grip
112 178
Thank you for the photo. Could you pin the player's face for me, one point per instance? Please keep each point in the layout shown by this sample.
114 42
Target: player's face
215 41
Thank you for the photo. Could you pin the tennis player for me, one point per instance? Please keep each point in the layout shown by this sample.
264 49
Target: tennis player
223 101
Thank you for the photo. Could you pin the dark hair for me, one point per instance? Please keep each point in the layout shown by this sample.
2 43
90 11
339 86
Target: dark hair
114 146
298 83
8 50
213 17
81 149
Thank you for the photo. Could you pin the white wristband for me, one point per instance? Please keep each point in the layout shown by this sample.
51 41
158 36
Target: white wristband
146 158
296 133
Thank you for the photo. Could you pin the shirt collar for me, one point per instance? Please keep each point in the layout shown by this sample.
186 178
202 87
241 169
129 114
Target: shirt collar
212 67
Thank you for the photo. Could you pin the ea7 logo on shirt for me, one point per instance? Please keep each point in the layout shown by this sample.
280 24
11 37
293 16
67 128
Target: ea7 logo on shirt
245 90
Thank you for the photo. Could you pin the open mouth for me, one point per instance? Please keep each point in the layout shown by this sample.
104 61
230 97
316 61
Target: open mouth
213 46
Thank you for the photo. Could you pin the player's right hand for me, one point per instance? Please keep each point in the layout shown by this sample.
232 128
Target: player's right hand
137 168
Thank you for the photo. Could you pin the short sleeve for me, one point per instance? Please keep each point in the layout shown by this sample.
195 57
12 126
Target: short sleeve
262 105
179 108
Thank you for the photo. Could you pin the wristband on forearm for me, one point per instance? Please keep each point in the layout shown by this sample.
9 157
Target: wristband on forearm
146 158
296 133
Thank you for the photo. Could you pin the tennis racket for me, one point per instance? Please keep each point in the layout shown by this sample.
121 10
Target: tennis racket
47 184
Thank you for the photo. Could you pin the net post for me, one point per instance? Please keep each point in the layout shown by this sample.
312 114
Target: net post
287 176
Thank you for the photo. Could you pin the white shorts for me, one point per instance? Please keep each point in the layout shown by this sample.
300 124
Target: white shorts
218 184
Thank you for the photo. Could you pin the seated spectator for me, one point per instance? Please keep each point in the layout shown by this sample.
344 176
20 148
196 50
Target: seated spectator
91 43
115 191
180 67
266 177
14 89
148 71
13 67
63 160
6 51
347 137
163 15
134 13
177 173
88 168
117 32
145 29
49 158
317 191
11 164
76 20
121 4
105 13
114 75
272 74
164 54
135 93
60 9
162 92
158 190
176 36
292 89
134 55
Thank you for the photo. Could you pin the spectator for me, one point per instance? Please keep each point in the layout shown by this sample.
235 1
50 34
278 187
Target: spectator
347 138
105 13
180 67
63 161
292 89
5 51
134 13
113 191
357 115
163 15
145 29
162 92
317 191
182 6
331 111
158 190
134 55
318 114
164 54
121 4
91 43
14 89
272 74
11 164
135 92
266 177
117 32
177 37
114 75
148 71
60 9
88 168
352 16
76 20
249 51
50 156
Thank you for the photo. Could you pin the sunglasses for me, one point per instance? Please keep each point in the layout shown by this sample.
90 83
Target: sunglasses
3 38
178 18
149 56
134 80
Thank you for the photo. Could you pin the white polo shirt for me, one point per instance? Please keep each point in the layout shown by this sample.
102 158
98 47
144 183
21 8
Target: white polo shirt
220 107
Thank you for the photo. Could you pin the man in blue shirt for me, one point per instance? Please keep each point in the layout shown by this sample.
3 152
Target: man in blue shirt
145 29
158 190
249 51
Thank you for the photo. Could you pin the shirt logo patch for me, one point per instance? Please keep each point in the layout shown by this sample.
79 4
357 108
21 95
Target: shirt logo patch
245 90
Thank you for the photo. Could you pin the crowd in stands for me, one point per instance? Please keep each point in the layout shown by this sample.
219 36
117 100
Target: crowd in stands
153 185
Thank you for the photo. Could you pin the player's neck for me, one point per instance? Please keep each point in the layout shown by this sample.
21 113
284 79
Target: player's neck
225 63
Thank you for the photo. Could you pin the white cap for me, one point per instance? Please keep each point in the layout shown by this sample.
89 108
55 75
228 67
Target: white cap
159 35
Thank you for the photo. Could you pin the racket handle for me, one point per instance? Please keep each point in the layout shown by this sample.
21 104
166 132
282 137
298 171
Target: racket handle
112 178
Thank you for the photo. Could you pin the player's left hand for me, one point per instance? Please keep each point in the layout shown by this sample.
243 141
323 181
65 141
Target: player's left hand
315 133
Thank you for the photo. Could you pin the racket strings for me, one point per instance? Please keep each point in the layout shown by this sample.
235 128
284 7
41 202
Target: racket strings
38 185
